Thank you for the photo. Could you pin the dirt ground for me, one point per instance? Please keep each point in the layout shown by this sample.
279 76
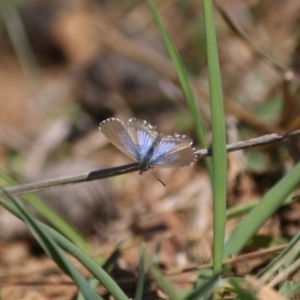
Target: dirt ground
82 62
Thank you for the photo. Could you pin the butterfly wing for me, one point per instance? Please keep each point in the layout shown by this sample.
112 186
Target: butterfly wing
139 140
143 134
116 132
173 152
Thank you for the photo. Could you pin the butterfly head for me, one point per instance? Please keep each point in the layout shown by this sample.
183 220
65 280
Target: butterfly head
144 166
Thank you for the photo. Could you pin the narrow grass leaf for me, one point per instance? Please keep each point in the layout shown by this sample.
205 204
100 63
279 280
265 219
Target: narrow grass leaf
219 156
243 294
290 252
20 42
251 223
204 290
158 277
155 257
292 289
82 257
242 209
50 215
58 221
182 78
141 279
93 282
163 283
110 262
53 251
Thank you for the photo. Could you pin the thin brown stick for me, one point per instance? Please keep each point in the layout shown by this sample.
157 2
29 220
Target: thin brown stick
285 274
89 176
242 257
260 141
110 172
260 290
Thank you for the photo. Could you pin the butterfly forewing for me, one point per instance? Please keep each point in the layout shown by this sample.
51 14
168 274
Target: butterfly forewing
116 132
143 135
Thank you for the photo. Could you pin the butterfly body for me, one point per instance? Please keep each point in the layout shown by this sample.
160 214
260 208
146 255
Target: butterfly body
146 162
140 141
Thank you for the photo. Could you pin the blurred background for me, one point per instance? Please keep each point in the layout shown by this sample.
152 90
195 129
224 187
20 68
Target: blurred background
68 65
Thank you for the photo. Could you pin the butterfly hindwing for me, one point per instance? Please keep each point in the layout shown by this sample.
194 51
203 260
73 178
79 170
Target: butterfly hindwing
173 152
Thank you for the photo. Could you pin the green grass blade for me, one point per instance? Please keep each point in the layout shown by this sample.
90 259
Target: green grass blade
243 294
161 280
163 283
110 262
93 282
49 214
182 78
204 290
291 290
290 252
141 280
53 251
20 42
57 221
245 230
86 261
244 208
219 157
240 209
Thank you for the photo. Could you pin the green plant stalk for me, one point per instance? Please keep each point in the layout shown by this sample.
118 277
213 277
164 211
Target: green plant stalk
53 250
292 290
160 279
243 209
273 199
49 214
219 155
203 291
163 283
141 279
21 44
86 261
241 291
284 257
111 261
93 284
58 221
183 80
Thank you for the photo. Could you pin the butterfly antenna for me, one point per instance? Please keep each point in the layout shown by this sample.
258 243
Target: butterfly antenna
157 179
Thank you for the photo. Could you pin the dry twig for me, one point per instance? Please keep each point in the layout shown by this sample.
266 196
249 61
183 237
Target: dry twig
110 172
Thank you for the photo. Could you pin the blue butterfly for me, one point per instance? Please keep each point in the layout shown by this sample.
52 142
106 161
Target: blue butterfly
139 140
